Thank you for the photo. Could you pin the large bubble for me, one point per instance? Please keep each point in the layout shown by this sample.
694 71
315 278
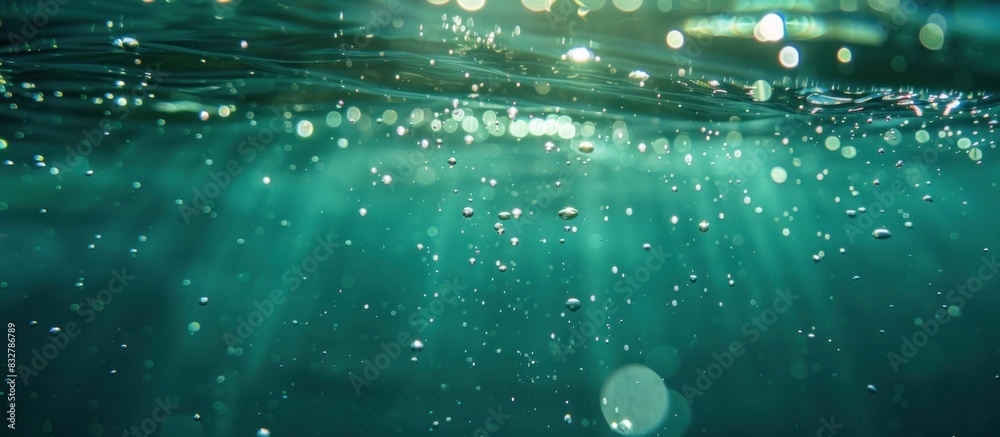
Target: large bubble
634 400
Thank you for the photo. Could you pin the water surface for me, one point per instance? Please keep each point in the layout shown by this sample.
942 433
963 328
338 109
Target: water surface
370 218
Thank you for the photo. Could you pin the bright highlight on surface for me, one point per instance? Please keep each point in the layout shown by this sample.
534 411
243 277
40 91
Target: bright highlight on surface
779 175
789 57
472 5
761 91
627 5
932 36
579 54
675 39
304 128
536 5
769 28
844 55
634 400
832 143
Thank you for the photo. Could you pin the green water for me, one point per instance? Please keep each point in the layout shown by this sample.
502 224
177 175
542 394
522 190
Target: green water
371 219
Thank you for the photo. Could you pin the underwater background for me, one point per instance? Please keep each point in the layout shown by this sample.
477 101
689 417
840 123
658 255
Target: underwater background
500 217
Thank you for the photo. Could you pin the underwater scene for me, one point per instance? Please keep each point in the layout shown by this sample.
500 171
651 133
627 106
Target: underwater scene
500 217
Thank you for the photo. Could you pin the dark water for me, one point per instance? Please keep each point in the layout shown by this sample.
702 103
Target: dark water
235 218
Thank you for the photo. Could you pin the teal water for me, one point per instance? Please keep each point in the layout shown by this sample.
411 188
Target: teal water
237 218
